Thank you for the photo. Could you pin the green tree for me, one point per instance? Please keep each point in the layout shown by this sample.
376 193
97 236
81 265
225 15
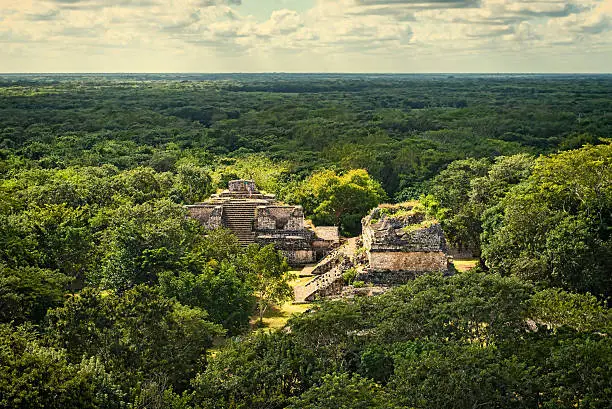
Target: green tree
219 245
266 174
341 200
223 293
33 375
578 373
59 238
556 308
143 184
26 293
462 376
139 334
470 307
263 370
343 391
143 240
194 183
467 188
555 227
267 272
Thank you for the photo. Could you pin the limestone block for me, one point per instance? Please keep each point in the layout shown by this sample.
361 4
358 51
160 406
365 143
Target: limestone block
209 215
277 217
419 261
242 186
299 257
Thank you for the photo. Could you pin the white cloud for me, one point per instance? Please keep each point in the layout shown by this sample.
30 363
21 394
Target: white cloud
336 35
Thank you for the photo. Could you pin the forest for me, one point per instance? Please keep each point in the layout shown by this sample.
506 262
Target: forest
110 297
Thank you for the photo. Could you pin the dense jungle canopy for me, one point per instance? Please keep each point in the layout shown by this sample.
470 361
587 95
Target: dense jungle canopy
110 297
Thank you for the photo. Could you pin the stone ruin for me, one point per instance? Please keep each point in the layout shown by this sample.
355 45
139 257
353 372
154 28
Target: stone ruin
401 243
255 217
398 243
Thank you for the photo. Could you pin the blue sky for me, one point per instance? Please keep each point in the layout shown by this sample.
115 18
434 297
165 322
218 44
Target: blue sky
305 36
262 9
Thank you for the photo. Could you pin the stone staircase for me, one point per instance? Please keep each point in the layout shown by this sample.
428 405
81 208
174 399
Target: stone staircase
328 262
323 285
328 272
238 216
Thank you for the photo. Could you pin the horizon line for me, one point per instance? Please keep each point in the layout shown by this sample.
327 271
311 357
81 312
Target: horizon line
301 73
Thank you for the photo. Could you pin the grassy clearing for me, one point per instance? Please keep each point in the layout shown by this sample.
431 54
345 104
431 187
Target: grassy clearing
277 316
462 265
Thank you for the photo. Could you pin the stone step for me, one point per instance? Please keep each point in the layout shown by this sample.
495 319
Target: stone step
317 284
239 218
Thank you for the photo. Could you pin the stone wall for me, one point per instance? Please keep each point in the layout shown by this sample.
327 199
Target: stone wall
417 261
242 186
385 237
285 241
297 249
209 215
333 288
299 257
401 242
388 278
289 218
328 233
323 247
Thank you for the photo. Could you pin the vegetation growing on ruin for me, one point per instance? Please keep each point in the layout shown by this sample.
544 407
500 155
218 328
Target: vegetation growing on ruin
110 297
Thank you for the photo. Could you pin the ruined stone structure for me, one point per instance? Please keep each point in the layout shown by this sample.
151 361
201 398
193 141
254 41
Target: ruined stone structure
402 243
255 217
398 243
328 274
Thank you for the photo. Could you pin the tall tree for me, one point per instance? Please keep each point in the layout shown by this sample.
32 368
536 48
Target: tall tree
340 200
139 333
556 227
267 271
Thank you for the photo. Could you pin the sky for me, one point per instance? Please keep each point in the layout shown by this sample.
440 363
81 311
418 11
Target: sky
401 36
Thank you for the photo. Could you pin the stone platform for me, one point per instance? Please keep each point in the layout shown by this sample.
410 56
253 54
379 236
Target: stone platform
256 217
401 242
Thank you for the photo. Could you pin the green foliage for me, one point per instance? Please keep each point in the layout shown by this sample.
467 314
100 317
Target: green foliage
343 391
462 376
468 307
579 374
155 394
268 175
555 227
451 187
140 241
267 272
340 200
461 194
27 292
263 370
219 245
33 375
349 276
194 183
118 229
143 184
139 334
330 331
457 342
224 294
583 312
55 237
